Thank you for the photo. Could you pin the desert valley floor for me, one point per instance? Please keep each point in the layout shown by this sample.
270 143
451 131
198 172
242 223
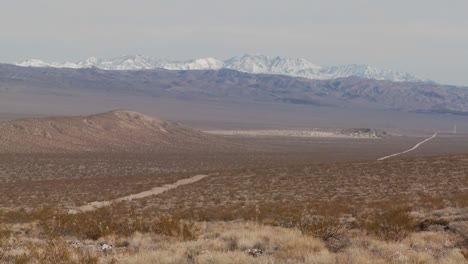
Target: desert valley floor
325 195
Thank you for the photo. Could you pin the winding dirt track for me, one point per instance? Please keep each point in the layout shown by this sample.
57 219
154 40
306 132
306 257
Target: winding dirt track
411 149
157 190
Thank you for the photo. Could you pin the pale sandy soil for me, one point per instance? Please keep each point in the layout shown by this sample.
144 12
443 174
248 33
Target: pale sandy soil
313 133
154 191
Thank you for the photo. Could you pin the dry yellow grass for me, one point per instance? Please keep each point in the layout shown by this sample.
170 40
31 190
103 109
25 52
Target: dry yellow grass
230 242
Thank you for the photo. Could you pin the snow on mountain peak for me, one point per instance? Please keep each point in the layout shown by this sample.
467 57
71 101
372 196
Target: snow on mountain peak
257 64
198 64
369 72
33 63
41 63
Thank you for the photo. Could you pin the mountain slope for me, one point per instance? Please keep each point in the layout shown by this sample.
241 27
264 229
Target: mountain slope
233 86
112 131
247 63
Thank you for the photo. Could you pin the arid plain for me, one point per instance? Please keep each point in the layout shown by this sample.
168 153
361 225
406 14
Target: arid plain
261 196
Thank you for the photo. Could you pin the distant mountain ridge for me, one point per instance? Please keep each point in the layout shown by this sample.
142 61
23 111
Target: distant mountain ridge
232 86
256 64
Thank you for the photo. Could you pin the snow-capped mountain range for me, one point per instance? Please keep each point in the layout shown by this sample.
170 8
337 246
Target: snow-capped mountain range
257 64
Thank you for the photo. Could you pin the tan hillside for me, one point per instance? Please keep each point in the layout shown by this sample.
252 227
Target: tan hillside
112 131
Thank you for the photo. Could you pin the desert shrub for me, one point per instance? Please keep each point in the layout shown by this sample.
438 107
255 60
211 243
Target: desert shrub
4 235
232 243
329 229
105 221
26 216
427 223
123 244
22 259
460 199
390 225
430 201
174 227
308 221
298 250
55 251
84 225
465 254
321 227
284 216
86 258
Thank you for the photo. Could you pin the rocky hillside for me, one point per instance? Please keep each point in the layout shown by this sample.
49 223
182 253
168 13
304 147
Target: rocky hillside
113 131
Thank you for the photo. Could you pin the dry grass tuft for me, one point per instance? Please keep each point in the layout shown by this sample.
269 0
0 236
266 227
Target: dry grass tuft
52 251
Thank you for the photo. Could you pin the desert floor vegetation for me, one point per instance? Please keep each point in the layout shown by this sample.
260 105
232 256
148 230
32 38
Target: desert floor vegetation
264 206
181 241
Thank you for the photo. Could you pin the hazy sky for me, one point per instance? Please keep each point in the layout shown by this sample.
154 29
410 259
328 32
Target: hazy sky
424 37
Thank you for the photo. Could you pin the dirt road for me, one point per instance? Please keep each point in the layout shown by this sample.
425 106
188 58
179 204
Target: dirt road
157 190
411 149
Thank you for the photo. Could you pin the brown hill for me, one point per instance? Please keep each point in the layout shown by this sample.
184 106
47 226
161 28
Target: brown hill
112 131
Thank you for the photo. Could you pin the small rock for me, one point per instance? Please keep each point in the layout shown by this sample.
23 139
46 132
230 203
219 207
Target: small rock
75 244
106 247
255 252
